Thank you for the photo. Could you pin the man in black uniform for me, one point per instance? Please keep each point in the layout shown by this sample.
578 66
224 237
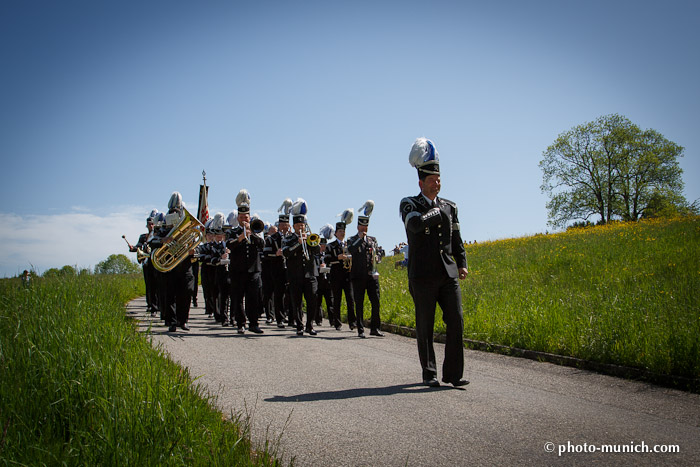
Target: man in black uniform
302 271
363 275
436 262
324 286
338 258
244 270
149 275
179 281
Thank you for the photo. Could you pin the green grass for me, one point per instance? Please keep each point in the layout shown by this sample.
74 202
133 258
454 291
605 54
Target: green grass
80 386
626 294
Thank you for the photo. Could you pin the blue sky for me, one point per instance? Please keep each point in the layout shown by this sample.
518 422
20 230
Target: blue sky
109 107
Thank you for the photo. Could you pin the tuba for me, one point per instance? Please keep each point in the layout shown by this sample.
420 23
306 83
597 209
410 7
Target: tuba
186 235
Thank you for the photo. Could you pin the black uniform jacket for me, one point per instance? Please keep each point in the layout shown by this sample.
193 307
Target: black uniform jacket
272 244
338 271
245 255
362 250
434 239
297 264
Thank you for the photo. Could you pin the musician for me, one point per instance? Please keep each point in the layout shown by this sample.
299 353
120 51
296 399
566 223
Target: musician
436 262
179 281
245 272
337 257
277 266
302 271
149 276
324 284
213 257
363 248
207 270
268 284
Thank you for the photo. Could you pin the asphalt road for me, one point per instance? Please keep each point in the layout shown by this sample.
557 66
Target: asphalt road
337 400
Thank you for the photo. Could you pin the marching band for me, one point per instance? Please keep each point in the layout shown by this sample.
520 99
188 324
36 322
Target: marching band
252 271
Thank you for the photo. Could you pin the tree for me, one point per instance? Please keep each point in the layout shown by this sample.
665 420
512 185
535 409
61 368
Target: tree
117 264
609 168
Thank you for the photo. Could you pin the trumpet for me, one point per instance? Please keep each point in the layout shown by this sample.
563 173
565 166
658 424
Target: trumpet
257 226
186 235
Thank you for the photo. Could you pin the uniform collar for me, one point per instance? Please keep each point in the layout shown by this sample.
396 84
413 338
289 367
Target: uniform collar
428 202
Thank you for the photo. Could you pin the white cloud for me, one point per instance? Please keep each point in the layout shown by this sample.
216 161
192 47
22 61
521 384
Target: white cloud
77 238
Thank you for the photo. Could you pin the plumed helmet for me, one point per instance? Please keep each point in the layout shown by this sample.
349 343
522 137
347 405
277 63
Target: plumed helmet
286 206
327 231
424 157
299 210
243 201
365 211
232 218
345 218
284 210
217 223
175 202
152 215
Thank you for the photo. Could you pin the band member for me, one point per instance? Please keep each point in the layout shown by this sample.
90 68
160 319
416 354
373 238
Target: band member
363 275
324 283
268 284
436 262
179 281
245 268
339 259
149 275
302 270
202 253
276 264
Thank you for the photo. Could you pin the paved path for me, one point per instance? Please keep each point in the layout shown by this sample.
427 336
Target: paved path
342 401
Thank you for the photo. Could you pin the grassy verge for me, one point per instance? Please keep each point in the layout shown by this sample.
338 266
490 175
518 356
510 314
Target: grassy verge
79 386
626 294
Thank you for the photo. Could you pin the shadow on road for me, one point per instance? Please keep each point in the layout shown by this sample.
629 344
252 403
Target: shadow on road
358 392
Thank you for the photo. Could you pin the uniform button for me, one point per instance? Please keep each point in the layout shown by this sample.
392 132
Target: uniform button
439 225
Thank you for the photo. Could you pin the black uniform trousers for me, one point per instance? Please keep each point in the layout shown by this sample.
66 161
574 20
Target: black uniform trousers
279 281
246 285
324 292
338 286
210 288
360 285
306 288
149 277
268 290
444 291
223 284
179 283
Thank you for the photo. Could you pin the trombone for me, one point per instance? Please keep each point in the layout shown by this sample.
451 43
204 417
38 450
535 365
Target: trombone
309 239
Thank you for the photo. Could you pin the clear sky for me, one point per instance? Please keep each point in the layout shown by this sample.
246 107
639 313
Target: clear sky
107 107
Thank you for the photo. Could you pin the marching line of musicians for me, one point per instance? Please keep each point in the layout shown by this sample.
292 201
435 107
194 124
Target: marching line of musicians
250 273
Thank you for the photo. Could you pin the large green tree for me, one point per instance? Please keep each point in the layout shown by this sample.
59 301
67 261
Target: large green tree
609 168
117 264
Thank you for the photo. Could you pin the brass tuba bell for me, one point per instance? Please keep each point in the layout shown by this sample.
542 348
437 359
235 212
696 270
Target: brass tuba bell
186 235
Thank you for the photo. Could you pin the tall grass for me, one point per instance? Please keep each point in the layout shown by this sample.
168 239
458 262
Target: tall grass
624 293
79 385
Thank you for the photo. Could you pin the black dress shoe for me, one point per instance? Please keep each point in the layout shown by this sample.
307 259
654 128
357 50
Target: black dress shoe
456 382
361 335
185 327
432 382
311 331
300 332
172 328
280 325
352 327
376 332
255 329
